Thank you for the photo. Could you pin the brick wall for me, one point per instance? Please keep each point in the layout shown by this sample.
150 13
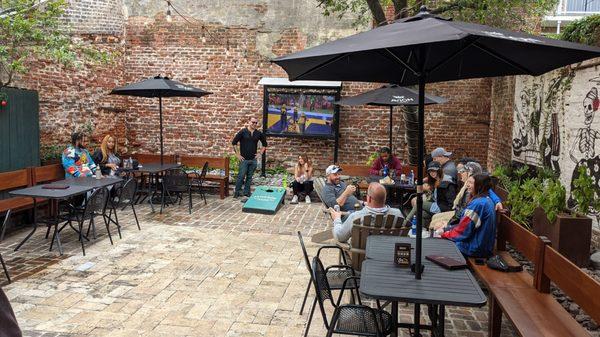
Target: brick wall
501 121
96 16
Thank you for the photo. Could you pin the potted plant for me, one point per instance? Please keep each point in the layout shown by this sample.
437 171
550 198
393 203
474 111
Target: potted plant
51 154
570 231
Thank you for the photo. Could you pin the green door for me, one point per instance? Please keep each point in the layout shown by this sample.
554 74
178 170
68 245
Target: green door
19 130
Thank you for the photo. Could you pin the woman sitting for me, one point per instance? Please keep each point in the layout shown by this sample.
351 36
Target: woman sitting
474 234
106 156
442 193
303 179
76 160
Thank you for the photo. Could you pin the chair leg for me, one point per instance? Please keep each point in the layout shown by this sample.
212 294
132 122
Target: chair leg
48 231
135 216
190 198
310 317
336 314
5 269
305 296
81 235
117 222
53 236
106 222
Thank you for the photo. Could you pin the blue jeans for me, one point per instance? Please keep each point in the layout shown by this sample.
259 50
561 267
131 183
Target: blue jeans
246 170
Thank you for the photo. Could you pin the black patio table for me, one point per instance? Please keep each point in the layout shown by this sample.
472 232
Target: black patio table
438 287
154 170
402 188
77 186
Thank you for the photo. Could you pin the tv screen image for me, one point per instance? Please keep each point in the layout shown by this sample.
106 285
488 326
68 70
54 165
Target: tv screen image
293 112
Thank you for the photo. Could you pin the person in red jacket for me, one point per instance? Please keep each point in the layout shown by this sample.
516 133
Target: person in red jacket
386 158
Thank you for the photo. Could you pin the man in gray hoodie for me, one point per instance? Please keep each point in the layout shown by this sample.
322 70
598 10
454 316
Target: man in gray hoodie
342 231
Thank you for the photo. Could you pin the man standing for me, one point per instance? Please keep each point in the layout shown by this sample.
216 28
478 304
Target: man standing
336 192
375 205
248 138
443 157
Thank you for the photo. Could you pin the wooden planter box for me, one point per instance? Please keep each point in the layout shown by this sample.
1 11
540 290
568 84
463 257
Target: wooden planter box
570 235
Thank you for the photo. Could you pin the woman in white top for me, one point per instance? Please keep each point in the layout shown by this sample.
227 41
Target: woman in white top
303 179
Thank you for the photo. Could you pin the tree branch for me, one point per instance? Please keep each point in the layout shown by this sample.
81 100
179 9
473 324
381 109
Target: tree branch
377 12
400 8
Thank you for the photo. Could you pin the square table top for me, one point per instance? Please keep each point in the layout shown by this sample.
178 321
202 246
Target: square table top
382 279
76 186
156 167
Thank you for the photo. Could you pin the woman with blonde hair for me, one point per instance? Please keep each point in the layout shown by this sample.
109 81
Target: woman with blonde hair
303 179
106 156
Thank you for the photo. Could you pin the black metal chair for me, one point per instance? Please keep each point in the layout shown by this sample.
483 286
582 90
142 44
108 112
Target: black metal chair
348 319
4 223
94 206
176 182
125 195
336 277
197 181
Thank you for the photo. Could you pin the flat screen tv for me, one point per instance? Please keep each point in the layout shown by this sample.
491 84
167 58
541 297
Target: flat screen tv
300 112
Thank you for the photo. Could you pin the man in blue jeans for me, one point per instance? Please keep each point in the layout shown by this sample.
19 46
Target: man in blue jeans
248 138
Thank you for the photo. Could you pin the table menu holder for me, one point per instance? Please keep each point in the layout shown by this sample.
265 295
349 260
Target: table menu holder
402 255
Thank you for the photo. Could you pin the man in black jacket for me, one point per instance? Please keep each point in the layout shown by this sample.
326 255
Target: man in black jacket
248 139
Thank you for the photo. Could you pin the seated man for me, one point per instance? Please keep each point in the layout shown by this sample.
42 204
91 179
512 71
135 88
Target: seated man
375 205
386 159
443 157
336 192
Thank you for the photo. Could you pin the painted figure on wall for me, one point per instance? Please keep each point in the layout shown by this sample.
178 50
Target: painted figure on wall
527 122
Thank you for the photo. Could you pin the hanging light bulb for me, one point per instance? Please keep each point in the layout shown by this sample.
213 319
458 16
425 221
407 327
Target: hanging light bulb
169 18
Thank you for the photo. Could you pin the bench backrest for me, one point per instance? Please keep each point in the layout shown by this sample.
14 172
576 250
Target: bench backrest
47 173
213 162
15 179
147 158
355 170
524 241
372 225
574 282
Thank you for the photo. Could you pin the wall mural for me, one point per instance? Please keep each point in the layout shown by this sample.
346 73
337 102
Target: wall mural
555 124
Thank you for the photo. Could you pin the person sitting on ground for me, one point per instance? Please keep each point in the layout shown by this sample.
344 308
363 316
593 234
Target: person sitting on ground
475 232
442 193
336 192
375 205
106 156
462 198
76 159
443 157
303 179
386 158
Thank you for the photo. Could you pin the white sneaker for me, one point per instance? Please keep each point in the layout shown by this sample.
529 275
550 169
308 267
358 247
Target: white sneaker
307 199
294 200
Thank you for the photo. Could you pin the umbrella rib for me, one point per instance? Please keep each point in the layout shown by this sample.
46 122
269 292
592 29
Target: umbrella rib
503 59
451 57
320 66
404 64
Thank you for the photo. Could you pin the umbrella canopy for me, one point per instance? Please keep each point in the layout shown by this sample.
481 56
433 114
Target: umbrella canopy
159 87
390 95
425 48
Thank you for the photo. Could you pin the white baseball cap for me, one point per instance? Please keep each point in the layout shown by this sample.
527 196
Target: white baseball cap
332 169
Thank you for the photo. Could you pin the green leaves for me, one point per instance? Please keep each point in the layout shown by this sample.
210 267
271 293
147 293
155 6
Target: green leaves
586 30
584 192
35 30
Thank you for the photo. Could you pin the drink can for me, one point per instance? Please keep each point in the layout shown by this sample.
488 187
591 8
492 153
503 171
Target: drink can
403 177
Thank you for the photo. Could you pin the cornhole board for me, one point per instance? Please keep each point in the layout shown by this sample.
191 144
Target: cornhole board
265 200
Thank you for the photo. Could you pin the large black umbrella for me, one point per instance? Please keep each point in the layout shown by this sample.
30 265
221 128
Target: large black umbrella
390 95
159 87
424 49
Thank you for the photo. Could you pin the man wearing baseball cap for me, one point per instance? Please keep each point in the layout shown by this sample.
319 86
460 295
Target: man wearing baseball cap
443 157
336 192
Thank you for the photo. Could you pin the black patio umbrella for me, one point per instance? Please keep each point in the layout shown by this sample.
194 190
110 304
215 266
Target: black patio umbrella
425 49
390 95
159 87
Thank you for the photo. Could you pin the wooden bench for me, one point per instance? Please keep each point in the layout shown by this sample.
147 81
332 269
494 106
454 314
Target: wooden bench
525 298
148 158
47 173
10 181
213 162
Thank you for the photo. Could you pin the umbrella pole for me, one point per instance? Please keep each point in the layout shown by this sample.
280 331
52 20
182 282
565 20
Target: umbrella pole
421 142
391 117
161 129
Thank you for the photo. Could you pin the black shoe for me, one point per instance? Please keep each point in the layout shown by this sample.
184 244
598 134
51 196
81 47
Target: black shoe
248 195
244 199
236 195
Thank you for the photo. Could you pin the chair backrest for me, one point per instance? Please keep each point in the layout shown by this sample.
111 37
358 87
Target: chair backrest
322 288
367 225
147 158
203 172
127 192
96 203
524 241
306 260
214 162
15 179
48 173
574 282
176 180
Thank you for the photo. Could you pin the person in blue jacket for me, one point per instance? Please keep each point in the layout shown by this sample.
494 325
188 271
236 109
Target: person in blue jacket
76 159
475 232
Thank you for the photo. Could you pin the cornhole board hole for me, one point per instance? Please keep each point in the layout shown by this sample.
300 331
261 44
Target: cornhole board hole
265 200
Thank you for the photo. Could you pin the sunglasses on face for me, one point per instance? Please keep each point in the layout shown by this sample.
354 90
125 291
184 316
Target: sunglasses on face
253 122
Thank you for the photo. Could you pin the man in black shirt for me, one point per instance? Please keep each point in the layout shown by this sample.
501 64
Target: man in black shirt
248 138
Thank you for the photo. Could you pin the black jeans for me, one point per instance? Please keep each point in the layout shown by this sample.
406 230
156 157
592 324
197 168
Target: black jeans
305 187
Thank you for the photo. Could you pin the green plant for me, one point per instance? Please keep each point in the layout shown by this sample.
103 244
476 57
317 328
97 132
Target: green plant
503 173
586 30
50 152
584 193
523 199
372 158
234 163
552 198
276 170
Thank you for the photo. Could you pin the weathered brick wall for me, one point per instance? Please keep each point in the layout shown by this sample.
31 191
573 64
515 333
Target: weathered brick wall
96 16
501 121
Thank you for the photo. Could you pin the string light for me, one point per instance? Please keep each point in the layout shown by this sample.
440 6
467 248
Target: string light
169 18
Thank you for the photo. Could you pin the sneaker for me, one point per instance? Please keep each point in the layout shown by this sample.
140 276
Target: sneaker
244 199
307 199
294 200
236 195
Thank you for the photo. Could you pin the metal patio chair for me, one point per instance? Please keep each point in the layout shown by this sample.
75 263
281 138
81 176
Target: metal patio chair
197 182
4 223
125 196
176 182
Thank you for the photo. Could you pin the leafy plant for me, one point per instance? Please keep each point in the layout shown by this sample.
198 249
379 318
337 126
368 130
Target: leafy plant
51 152
523 200
552 198
372 158
584 193
234 163
503 173
586 31
276 170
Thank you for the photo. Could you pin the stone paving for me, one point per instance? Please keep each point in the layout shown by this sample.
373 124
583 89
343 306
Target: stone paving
215 272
